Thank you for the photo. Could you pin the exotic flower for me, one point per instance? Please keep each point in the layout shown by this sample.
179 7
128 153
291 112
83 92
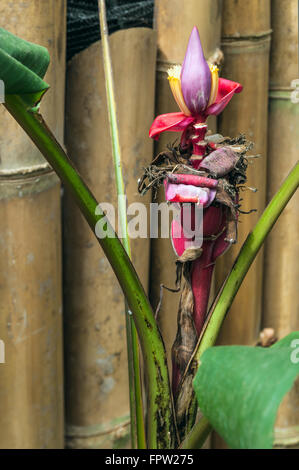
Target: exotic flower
199 92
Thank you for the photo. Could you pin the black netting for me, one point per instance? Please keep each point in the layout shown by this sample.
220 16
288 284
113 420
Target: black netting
83 21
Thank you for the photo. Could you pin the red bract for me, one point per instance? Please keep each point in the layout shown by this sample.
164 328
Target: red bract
226 91
176 122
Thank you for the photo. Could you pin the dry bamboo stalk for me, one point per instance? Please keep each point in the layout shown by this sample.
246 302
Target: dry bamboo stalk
31 405
97 404
174 21
245 20
246 61
281 302
246 45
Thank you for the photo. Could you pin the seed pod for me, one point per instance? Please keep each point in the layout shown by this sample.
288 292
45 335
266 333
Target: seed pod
220 162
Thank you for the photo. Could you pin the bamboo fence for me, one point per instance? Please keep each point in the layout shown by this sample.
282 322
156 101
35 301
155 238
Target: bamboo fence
281 300
246 46
31 405
245 43
95 376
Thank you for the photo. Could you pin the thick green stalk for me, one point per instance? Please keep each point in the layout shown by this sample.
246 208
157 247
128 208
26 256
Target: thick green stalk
160 411
232 283
135 390
196 438
136 402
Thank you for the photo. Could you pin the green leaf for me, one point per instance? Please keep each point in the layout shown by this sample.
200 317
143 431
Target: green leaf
22 67
239 389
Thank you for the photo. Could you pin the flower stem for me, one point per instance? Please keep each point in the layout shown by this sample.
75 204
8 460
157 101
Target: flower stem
196 438
160 424
135 390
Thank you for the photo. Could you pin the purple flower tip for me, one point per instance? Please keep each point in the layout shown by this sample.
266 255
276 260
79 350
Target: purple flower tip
195 76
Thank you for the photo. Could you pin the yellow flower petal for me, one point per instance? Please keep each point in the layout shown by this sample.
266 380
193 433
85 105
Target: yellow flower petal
214 84
175 84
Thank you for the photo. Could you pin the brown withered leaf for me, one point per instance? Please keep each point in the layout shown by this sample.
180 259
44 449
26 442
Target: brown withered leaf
231 228
186 337
182 404
226 195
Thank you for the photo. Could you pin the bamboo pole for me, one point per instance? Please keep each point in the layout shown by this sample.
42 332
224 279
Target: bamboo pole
246 51
174 21
138 437
246 45
281 302
97 407
31 405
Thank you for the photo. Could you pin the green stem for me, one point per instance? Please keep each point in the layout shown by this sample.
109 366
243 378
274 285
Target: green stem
160 411
134 369
235 278
196 438
111 104
135 391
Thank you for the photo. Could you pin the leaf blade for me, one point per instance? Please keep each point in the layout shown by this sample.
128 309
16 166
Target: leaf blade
239 390
22 67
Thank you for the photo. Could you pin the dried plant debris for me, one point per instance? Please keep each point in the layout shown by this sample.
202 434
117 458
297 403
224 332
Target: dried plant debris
225 161
225 158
